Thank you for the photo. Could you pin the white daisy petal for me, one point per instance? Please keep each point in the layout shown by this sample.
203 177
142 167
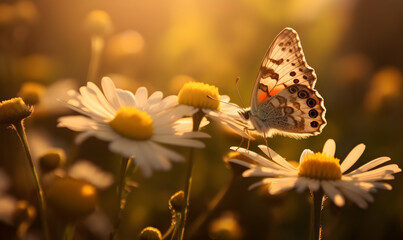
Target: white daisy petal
332 193
109 89
141 97
303 154
166 152
126 98
352 157
330 147
355 197
370 165
266 172
282 186
276 157
301 185
259 159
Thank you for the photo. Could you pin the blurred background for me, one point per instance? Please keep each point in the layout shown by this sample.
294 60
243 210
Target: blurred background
355 47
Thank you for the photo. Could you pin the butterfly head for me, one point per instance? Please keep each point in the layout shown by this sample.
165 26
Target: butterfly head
245 114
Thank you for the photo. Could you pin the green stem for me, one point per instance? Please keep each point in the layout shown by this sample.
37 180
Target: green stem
316 210
97 46
69 231
178 217
197 118
21 133
122 199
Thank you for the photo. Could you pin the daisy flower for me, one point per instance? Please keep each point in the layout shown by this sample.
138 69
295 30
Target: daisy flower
135 125
321 170
197 96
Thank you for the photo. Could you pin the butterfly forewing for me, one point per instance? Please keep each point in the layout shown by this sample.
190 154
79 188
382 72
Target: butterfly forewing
283 66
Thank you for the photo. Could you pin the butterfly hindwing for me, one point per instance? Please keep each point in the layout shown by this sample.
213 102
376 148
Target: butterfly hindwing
297 111
283 65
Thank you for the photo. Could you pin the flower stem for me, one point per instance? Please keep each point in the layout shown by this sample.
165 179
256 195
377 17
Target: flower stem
210 209
121 198
197 118
19 127
69 230
97 46
316 210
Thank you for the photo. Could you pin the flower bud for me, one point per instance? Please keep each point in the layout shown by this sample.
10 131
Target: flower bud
98 23
150 233
13 111
71 198
52 159
176 201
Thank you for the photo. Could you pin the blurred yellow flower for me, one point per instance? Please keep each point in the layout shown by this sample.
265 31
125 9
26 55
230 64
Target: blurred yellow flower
31 92
26 11
37 68
125 44
7 14
385 84
98 23
226 227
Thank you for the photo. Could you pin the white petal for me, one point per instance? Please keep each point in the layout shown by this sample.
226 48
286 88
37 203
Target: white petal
370 165
266 172
282 186
377 174
110 93
301 185
276 157
352 157
177 140
303 154
88 171
76 123
90 101
261 160
141 97
126 98
355 197
166 152
332 193
330 147
92 88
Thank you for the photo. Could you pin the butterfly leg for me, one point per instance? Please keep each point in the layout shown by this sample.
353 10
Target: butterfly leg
267 145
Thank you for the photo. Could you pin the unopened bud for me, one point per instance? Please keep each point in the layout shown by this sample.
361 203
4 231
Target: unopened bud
150 233
52 159
176 201
14 111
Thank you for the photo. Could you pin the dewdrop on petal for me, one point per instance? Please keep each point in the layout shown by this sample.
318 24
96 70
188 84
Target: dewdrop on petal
71 198
176 201
98 23
13 111
150 233
52 159
31 92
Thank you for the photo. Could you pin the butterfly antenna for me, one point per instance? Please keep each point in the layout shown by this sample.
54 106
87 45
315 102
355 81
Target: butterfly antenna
237 89
215 99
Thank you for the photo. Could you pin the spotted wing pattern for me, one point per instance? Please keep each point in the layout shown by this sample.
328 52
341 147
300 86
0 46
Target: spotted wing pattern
296 111
283 65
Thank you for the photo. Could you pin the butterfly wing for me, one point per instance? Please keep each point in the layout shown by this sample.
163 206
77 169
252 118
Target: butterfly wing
283 65
296 111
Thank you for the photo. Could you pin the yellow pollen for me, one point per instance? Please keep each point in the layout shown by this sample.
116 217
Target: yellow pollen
195 94
320 166
132 123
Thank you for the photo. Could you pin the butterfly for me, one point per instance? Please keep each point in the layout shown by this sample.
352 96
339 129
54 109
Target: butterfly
284 100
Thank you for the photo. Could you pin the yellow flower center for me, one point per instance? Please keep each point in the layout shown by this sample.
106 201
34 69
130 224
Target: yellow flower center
320 166
195 94
132 123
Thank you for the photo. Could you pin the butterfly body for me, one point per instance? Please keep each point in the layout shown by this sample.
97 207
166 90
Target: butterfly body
284 100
